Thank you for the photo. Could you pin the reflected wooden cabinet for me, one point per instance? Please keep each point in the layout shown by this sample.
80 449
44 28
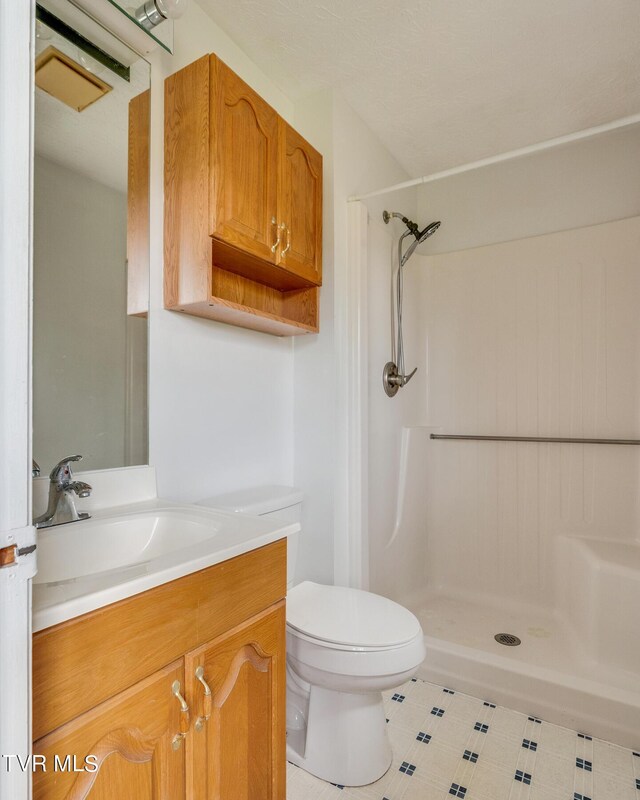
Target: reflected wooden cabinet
138 205
243 206
209 725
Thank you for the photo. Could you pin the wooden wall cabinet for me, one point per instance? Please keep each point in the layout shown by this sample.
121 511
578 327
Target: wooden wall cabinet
243 206
209 725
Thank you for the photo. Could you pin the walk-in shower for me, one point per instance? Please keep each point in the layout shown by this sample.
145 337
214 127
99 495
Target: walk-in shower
393 374
499 495
502 491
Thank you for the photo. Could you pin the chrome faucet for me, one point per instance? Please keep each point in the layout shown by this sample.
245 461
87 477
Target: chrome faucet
62 507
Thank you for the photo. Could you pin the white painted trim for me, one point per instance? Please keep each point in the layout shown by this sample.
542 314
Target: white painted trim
511 154
351 557
358 221
16 158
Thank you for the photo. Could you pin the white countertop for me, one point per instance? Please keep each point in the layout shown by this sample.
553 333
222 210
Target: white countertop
233 535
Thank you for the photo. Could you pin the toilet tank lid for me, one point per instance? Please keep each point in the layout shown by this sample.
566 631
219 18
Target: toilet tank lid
257 500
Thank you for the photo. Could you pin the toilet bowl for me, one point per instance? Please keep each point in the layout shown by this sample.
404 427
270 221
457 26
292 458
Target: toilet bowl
344 648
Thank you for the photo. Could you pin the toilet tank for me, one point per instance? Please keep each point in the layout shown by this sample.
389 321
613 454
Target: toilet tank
279 502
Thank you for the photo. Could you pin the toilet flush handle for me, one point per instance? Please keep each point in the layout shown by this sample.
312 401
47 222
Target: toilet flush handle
208 699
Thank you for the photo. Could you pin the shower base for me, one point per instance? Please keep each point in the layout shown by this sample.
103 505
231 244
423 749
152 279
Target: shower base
548 676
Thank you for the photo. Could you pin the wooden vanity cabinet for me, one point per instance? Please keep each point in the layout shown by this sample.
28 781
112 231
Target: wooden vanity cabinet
164 737
243 206
237 747
129 739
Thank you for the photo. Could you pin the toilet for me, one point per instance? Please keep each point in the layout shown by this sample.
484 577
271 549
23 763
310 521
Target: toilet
344 648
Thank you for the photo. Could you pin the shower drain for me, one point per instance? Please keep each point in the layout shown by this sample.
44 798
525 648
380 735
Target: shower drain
508 639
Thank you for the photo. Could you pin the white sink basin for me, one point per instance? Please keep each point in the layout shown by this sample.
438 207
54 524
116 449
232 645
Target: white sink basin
127 550
68 552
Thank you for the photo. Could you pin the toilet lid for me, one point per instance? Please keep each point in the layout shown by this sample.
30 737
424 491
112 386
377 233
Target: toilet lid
346 616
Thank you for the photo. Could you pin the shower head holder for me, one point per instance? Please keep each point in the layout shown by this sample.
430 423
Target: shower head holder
392 380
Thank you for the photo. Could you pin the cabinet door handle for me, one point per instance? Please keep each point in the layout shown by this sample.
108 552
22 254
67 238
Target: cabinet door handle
207 700
276 244
288 247
184 716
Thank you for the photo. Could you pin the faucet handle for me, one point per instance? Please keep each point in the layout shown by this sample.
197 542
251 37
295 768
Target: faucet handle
62 469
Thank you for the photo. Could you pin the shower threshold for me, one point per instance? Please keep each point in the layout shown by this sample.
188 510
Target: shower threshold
549 676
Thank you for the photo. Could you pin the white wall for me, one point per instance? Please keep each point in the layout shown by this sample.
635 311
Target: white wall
231 408
314 373
81 329
354 161
220 397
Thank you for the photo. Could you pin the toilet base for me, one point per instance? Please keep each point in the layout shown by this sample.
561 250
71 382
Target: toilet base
346 738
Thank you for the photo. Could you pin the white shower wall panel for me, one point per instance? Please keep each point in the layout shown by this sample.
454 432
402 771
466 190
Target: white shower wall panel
537 337
397 557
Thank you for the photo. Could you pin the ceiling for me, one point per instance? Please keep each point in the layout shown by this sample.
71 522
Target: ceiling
447 82
93 142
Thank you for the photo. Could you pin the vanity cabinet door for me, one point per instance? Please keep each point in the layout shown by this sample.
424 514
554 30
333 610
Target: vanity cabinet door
131 737
238 753
244 165
300 205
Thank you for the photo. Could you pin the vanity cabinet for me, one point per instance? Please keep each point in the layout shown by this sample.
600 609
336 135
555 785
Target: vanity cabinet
177 693
129 739
243 206
237 750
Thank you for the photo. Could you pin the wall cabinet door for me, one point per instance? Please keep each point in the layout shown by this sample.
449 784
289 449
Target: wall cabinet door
300 205
238 753
132 737
244 165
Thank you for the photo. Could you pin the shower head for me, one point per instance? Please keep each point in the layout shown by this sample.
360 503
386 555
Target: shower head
431 228
412 228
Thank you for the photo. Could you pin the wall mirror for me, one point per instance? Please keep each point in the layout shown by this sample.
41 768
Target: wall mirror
91 243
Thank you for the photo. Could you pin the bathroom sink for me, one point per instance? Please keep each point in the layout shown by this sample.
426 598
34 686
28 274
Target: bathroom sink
71 551
123 551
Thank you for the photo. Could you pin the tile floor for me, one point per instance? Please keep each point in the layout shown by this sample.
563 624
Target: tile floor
448 744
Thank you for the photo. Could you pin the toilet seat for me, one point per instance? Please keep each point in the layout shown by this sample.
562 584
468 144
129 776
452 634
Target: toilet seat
335 634
341 618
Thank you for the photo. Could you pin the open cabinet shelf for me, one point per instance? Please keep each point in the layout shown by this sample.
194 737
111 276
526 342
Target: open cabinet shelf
240 301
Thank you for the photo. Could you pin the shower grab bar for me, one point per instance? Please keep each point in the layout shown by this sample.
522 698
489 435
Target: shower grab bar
549 439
